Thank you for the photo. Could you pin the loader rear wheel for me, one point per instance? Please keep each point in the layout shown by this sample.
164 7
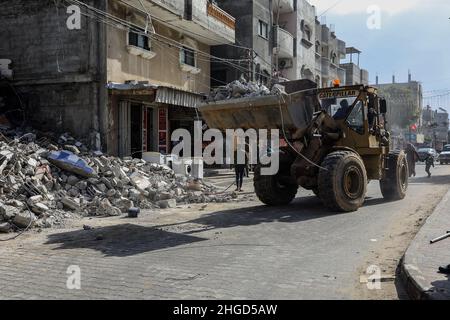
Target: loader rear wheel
271 190
394 185
343 181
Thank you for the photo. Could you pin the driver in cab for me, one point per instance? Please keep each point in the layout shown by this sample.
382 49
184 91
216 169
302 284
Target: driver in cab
342 111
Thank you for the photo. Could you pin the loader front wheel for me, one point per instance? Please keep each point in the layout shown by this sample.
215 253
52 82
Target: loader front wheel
273 190
395 183
342 181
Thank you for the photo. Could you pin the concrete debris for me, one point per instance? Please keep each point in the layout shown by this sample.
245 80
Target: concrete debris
5 227
44 181
239 89
24 219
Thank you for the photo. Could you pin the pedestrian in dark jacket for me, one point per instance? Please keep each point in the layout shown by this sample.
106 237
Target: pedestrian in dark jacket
429 161
239 169
412 156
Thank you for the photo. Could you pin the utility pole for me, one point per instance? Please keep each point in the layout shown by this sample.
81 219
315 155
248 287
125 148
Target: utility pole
271 40
251 64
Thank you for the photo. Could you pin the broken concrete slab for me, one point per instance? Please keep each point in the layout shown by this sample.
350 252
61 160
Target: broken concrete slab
70 203
24 219
165 204
5 227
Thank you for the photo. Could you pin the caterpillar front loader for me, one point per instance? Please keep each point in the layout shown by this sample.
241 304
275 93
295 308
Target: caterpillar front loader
336 141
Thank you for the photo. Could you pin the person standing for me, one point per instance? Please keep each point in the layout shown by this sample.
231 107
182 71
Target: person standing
412 156
429 161
240 166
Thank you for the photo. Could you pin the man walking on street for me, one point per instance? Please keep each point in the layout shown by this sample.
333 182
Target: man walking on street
429 161
240 166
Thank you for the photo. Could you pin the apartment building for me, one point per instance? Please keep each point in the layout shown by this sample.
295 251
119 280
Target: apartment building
287 40
405 101
132 72
435 127
354 74
253 50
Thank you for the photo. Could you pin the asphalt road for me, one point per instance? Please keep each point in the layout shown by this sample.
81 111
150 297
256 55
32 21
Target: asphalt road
240 250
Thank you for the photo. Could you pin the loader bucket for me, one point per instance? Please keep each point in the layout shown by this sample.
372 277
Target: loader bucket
294 111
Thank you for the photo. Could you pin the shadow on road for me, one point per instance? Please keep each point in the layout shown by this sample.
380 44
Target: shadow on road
440 289
441 179
301 209
121 240
129 239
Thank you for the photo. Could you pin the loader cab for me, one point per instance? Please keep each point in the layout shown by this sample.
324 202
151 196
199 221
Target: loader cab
357 108
345 105
362 123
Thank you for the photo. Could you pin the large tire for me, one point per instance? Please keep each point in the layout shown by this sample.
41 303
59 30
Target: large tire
343 185
395 184
271 191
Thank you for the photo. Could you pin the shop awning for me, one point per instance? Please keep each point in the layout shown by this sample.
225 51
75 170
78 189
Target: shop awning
178 97
165 95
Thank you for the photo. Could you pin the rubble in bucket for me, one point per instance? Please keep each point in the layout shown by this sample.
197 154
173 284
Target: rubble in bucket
42 184
239 89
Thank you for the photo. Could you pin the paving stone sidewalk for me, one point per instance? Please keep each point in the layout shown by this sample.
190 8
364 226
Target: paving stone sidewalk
421 261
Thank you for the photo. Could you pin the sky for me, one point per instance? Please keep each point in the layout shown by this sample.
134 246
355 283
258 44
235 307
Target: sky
410 35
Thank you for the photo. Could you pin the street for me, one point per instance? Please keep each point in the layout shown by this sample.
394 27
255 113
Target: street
238 250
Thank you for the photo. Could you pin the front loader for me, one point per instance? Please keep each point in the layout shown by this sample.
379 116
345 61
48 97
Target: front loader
335 142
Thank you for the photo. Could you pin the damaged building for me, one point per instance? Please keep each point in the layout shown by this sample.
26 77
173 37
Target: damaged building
130 73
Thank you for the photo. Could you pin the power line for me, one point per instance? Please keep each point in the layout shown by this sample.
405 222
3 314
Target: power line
137 29
331 7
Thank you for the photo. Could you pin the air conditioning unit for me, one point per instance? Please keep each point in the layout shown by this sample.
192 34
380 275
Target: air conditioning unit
285 63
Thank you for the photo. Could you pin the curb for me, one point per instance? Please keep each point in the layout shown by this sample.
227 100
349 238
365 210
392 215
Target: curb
410 275
413 288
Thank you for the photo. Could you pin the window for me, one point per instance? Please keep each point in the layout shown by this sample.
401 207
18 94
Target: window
263 29
356 118
333 57
188 56
139 40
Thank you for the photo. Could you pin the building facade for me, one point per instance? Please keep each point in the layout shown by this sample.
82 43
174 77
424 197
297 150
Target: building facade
132 72
286 41
253 50
435 127
354 74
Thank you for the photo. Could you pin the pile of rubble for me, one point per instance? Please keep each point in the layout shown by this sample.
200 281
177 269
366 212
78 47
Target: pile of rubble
239 89
42 184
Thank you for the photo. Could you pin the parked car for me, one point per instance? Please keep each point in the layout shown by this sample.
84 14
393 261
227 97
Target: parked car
424 152
444 157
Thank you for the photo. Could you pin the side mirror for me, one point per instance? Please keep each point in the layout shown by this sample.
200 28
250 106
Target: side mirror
383 106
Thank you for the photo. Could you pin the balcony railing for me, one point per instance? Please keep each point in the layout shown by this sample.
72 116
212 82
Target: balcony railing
222 16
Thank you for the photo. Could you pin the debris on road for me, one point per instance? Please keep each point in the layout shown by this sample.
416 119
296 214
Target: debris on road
445 236
44 183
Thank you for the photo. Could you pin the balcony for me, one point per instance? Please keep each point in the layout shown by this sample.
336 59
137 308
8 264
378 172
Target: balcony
212 22
285 6
197 19
284 43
